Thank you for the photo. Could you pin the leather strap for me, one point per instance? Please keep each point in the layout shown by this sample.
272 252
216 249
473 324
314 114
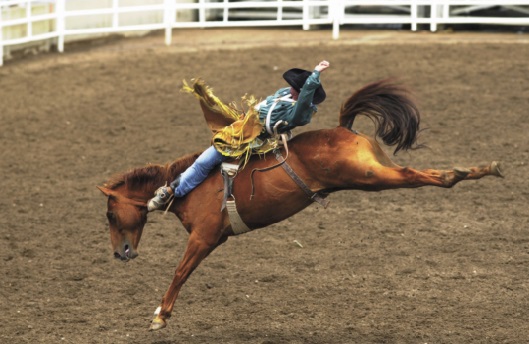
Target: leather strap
314 196
237 224
229 172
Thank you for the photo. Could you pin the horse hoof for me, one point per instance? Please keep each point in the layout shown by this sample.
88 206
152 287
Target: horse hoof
495 169
461 173
157 324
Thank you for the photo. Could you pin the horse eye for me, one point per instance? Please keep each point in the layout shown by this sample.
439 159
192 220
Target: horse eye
111 217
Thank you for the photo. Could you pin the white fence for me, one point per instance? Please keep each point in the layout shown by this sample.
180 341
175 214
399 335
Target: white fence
25 22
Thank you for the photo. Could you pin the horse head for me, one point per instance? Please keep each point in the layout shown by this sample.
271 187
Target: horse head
126 218
127 202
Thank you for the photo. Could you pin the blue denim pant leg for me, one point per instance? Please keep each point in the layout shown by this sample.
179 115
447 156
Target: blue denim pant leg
197 172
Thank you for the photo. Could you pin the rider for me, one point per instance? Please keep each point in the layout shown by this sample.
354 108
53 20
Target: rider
294 105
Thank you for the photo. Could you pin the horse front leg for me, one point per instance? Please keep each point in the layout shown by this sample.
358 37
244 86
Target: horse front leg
197 250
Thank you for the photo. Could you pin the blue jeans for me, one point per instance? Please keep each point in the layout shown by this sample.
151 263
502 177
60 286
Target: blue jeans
197 172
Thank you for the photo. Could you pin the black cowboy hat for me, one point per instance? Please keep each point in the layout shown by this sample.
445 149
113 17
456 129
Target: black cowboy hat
296 78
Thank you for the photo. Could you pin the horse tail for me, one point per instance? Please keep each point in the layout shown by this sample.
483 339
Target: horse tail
390 106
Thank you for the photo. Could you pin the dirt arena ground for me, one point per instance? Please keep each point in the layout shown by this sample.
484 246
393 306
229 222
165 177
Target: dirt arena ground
406 266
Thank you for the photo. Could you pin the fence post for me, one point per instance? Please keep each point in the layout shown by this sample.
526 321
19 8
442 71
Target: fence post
414 15
201 12
446 10
337 9
433 17
169 16
115 14
1 37
225 12
306 25
29 21
60 20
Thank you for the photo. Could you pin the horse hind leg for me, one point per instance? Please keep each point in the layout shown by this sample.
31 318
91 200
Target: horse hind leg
460 173
450 178
494 169
377 177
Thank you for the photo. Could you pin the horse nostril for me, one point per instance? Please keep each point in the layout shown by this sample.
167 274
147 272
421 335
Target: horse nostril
117 255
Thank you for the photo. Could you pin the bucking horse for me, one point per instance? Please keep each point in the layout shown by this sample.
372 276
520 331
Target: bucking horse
312 166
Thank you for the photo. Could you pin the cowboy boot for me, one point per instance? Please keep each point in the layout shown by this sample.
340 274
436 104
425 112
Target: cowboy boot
162 195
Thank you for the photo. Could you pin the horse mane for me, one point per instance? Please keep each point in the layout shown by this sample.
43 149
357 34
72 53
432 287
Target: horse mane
390 106
152 174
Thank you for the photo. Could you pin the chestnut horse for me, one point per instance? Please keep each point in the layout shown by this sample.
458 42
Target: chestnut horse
326 160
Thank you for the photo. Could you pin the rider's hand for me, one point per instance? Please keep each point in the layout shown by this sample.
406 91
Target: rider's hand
323 65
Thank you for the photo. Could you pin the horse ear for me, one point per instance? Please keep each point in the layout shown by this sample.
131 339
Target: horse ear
105 191
111 193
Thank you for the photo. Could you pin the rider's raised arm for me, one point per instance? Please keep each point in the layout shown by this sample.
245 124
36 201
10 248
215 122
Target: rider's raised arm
303 109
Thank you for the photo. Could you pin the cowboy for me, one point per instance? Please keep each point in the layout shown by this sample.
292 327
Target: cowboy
290 106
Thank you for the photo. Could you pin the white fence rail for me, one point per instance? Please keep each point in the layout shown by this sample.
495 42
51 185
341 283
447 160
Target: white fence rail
54 21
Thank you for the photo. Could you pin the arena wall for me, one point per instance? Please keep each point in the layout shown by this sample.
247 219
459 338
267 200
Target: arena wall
39 25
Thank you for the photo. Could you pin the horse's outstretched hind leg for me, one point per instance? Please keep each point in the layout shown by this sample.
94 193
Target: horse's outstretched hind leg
378 177
494 169
458 174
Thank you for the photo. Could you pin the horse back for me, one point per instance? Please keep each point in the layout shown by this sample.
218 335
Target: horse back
264 198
